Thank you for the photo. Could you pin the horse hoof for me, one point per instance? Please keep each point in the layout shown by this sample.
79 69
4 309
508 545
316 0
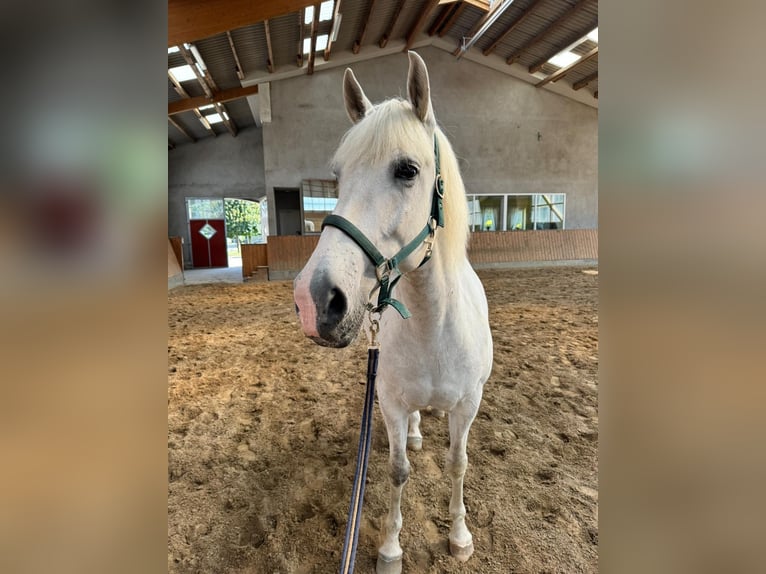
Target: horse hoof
388 565
414 442
462 553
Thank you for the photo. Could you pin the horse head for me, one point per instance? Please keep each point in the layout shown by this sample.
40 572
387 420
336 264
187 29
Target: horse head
385 167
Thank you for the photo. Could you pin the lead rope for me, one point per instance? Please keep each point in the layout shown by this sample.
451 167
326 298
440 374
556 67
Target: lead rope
362 455
383 269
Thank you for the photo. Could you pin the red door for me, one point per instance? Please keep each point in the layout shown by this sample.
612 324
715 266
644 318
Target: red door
208 243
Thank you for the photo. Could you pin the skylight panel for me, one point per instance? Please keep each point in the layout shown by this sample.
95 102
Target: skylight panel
321 43
563 59
183 73
308 14
593 35
214 118
207 107
173 50
325 10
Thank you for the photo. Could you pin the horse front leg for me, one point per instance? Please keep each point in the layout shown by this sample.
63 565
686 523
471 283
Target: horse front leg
390 552
460 539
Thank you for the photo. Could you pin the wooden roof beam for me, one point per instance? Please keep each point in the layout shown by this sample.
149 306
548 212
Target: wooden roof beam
363 31
566 69
181 129
227 121
391 23
313 46
188 104
269 50
452 19
585 81
443 15
335 22
432 4
240 72
299 56
520 20
190 20
552 27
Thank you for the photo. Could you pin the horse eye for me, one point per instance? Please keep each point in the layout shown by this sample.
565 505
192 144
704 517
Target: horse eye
405 170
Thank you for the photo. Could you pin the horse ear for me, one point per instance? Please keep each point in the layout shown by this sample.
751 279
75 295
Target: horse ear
419 89
357 104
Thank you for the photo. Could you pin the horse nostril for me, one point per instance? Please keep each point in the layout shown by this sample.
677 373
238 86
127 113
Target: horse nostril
297 311
338 305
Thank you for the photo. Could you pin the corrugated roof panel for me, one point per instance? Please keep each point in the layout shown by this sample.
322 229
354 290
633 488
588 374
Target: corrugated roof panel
250 42
218 58
464 23
353 16
284 39
508 17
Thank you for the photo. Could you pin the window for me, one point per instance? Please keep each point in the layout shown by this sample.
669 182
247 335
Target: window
205 208
516 212
319 199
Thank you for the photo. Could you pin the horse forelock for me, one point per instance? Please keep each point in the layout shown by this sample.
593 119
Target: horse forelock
392 127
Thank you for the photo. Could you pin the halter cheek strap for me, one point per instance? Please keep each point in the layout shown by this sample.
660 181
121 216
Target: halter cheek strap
384 267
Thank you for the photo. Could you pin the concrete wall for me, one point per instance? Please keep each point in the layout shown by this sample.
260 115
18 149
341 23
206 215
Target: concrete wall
223 166
493 121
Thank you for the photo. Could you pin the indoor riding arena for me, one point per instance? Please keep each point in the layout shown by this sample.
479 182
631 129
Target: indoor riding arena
263 423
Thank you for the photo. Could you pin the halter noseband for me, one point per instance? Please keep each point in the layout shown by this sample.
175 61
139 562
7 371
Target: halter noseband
383 266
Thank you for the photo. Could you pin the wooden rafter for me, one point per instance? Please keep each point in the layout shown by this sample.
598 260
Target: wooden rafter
391 23
269 51
443 15
452 19
240 71
335 22
528 12
187 104
432 4
181 104
181 129
585 81
313 47
299 56
566 69
552 27
190 20
363 30
209 86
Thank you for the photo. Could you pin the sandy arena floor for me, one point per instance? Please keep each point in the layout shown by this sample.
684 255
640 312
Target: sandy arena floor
262 438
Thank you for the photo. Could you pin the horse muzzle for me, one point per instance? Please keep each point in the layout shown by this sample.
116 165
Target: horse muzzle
324 310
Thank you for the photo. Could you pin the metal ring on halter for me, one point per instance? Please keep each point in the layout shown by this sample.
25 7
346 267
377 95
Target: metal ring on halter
383 270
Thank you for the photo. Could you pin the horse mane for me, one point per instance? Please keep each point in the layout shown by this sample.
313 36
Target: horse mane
381 134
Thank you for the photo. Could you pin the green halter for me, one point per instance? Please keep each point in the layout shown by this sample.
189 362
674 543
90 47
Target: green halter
384 267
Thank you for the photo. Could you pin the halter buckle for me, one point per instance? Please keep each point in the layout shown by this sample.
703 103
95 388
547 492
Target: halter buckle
439 186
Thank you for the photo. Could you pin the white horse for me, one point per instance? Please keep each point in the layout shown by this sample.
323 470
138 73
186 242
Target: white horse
442 355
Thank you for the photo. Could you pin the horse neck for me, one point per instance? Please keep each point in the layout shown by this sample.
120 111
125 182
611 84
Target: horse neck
427 288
